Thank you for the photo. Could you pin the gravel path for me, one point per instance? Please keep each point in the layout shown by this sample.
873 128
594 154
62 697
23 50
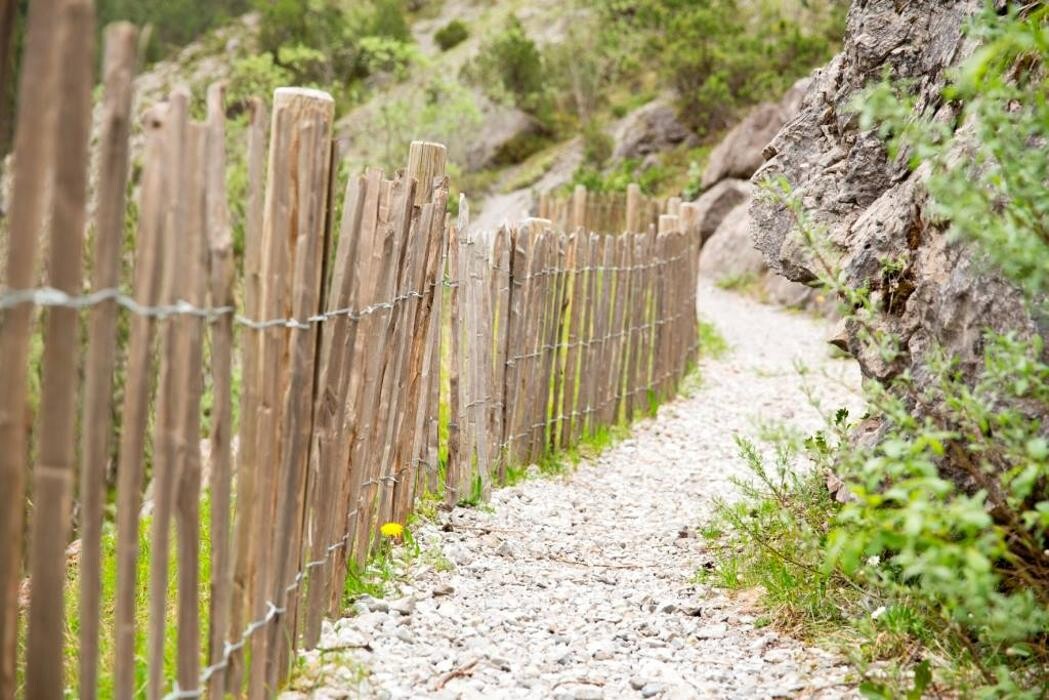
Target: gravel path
582 586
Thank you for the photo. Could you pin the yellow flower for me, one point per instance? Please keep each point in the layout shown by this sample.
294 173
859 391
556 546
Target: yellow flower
392 530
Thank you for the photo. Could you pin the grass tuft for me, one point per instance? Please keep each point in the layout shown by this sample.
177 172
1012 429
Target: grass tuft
711 343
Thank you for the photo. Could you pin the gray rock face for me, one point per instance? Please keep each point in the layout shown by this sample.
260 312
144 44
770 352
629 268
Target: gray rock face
651 129
729 254
716 203
874 209
740 153
500 124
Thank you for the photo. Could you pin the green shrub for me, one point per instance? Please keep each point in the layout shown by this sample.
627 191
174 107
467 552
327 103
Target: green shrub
387 20
451 35
175 23
720 55
938 557
441 110
520 148
381 54
577 74
342 41
597 144
652 179
511 67
255 76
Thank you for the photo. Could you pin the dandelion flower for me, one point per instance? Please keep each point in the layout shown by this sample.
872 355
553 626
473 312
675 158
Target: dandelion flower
393 530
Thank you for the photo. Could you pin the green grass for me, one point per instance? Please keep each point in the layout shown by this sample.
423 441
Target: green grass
747 283
107 647
337 668
711 343
755 543
528 172
771 540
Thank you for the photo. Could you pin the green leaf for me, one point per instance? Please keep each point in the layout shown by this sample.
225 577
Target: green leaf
875 691
1038 448
922 680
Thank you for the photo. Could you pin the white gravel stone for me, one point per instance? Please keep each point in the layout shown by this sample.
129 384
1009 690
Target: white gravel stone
583 586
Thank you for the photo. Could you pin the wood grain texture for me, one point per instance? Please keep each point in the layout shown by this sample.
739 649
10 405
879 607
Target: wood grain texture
245 542
53 473
219 241
118 69
37 94
148 278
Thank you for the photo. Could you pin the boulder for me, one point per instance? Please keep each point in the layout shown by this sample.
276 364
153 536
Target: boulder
793 295
651 129
729 256
740 153
873 207
500 124
718 202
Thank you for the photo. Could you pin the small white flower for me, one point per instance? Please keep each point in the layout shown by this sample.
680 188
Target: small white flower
873 561
878 613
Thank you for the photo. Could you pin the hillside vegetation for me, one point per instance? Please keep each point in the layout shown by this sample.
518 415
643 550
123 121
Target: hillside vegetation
498 82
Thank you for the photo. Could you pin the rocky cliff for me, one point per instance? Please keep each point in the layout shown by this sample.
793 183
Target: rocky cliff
728 257
873 208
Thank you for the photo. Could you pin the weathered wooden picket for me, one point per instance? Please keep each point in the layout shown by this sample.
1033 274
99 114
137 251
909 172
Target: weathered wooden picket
331 337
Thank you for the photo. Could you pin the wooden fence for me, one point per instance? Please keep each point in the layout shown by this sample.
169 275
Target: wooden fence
611 212
335 344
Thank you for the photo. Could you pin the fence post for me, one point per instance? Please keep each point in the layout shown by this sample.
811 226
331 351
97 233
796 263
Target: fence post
576 257
330 409
220 253
397 260
553 362
191 353
456 428
172 381
689 225
579 208
302 121
118 70
54 471
426 163
38 91
246 543
633 208
130 466
502 252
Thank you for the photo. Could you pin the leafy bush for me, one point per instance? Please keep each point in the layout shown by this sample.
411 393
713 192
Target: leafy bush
520 148
257 75
387 20
720 55
451 35
381 54
443 111
597 144
510 66
577 74
941 545
651 178
346 43
175 22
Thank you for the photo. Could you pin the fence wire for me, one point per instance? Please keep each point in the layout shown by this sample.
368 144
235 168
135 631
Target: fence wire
49 297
